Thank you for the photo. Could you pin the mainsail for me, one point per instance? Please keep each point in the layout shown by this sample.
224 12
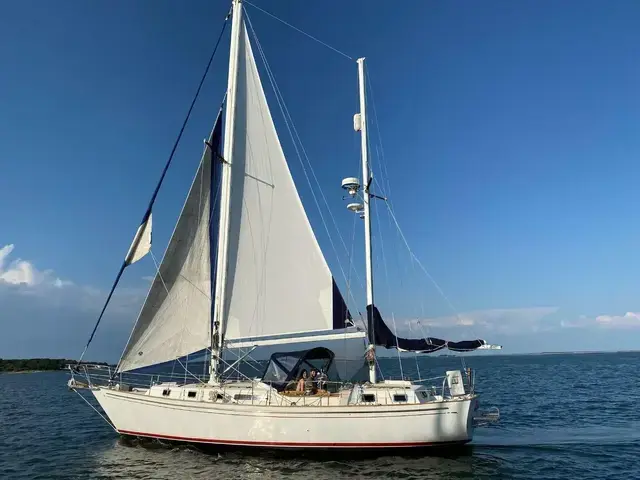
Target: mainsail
175 319
277 279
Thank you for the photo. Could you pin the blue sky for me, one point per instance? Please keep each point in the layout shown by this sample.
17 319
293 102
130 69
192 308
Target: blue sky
509 131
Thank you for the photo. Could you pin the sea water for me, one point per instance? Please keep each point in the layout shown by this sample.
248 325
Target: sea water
562 417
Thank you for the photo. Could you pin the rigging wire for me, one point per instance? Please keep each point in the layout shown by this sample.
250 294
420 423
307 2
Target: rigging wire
450 304
419 263
393 217
386 274
299 31
164 172
351 256
383 163
386 189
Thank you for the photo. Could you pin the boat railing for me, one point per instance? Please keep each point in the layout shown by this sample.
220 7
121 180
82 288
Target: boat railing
95 376
92 376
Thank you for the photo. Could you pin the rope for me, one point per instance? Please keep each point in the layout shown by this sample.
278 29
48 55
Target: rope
300 31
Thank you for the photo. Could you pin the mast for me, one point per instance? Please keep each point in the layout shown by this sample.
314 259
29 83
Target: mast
219 313
366 178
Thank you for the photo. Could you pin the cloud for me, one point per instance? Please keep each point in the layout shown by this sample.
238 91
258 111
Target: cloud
22 272
62 283
43 315
44 288
498 320
50 299
516 321
628 320
580 322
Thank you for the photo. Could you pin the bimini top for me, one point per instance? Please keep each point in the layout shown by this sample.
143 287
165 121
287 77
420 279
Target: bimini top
285 367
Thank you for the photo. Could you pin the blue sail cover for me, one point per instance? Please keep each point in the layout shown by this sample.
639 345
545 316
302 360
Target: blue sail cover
384 337
341 314
214 204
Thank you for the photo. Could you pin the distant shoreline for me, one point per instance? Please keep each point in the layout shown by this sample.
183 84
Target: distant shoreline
37 365
16 372
502 353
41 365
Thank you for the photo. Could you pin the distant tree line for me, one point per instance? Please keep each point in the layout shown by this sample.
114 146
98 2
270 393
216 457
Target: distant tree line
26 364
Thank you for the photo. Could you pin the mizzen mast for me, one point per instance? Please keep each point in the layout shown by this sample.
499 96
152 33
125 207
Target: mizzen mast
353 186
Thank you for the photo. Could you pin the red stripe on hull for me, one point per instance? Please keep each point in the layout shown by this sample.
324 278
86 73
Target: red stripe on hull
249 443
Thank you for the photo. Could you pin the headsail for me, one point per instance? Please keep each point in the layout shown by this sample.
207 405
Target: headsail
277 279
175 319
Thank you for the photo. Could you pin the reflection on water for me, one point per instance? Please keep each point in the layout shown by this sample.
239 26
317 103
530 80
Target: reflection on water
141 457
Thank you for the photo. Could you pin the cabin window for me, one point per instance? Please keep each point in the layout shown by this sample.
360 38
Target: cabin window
242 396
166 392
191 394
402 397
424 394
368 397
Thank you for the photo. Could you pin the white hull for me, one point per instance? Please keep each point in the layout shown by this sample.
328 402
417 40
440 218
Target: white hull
433 423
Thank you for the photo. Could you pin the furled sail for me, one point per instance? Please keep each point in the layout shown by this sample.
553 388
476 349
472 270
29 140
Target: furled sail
175 319
384 337
277 279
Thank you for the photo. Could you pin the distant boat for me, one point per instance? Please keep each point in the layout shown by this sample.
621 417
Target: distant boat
243 269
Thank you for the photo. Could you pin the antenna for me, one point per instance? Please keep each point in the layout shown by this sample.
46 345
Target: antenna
352 186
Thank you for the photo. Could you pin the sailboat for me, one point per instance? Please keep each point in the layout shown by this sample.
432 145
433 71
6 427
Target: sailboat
244 269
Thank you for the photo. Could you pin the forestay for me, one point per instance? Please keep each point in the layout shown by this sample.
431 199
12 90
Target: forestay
278 281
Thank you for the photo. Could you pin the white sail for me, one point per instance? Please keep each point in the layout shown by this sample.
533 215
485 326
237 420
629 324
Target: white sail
278 281
175 319
141 244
